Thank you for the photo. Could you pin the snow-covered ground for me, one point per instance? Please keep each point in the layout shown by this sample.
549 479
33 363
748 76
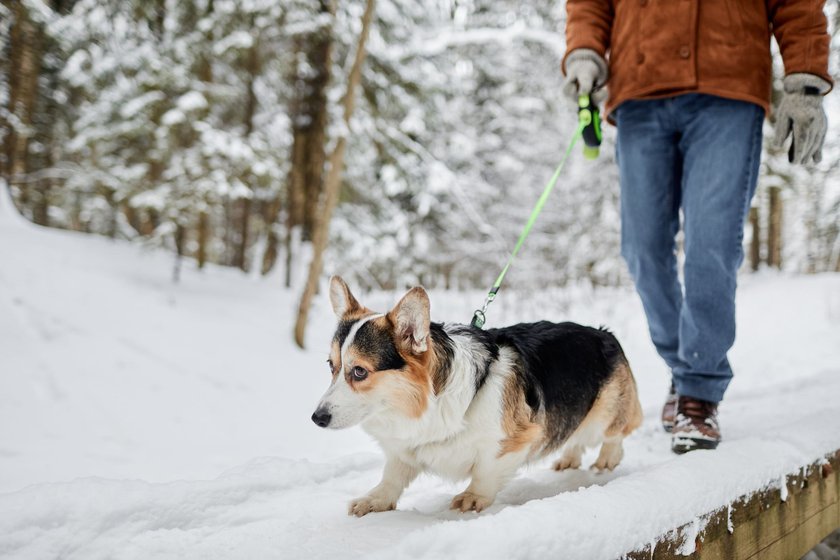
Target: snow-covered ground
143 419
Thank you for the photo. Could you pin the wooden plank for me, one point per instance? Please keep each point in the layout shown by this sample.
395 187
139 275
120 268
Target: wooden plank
765 526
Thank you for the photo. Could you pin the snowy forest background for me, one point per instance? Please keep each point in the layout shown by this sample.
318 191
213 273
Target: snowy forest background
142 417
207 127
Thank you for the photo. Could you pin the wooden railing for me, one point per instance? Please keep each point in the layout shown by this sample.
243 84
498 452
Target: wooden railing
772 524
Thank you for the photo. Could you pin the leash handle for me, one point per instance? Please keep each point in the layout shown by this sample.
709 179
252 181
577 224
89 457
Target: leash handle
590 118
586 118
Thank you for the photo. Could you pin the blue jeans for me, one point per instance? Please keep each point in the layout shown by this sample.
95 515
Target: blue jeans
698 153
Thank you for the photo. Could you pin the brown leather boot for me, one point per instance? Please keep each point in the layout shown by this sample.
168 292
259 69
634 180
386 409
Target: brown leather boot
669 410
696 425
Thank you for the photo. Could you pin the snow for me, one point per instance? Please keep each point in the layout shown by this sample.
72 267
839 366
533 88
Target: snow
149 199
689 544
236 40
144 419
192 101
173 117
140 103
448 38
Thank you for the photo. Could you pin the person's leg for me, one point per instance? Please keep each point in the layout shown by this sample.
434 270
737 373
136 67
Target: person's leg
721 147
650 170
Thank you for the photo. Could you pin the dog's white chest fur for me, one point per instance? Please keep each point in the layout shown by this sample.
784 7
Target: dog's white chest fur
458 426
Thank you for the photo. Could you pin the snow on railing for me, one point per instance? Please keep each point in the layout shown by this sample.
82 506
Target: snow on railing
782 521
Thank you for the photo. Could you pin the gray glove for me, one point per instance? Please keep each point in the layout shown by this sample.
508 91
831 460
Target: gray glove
801 111
586 73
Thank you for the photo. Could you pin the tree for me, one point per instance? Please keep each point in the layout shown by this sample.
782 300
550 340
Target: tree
310 76
24 65
332 184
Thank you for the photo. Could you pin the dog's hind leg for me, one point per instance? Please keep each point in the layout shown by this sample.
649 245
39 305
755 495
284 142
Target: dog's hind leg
570 459
621 403
489 474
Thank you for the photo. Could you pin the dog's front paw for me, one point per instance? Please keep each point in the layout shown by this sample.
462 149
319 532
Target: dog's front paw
467 501
566 463
368 504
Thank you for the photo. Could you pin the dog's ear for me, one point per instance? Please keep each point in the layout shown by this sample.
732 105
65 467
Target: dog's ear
411 320
341 298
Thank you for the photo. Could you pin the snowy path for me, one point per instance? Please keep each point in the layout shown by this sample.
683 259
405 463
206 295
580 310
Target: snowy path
108 370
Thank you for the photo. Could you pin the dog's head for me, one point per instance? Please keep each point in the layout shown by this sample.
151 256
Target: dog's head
379 362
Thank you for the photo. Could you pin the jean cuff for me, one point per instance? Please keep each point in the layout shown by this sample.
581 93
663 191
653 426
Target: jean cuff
699 386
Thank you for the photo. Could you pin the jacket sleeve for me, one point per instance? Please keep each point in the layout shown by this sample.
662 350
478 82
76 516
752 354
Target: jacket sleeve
588 25
801 29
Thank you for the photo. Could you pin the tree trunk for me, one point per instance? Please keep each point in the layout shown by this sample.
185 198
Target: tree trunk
252 66
227 234
314 123
203 235
243 222
205 63
180 245
774 229
309 110
40 202
158 17
835 254
272 212
294 217
755 240
812 194
332 184
24 68
113 215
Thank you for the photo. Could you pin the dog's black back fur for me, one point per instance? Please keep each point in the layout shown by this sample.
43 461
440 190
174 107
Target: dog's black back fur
564 366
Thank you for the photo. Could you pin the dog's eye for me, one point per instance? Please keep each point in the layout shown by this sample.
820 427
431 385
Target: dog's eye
332 366
359 373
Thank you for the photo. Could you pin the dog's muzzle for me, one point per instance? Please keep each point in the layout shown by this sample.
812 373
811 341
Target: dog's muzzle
322 417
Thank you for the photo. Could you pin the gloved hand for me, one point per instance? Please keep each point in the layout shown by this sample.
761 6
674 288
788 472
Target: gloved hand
586 73
801 111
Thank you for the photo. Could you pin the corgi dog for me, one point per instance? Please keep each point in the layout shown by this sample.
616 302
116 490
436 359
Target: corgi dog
462 402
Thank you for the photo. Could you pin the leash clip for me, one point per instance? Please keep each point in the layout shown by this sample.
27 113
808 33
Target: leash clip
479 317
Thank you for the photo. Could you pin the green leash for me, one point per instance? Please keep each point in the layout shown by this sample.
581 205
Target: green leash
589 127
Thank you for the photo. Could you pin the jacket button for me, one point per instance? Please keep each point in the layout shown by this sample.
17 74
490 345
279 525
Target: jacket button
640 58
685 52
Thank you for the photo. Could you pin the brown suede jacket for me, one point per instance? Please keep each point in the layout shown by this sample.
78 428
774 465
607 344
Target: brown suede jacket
660 48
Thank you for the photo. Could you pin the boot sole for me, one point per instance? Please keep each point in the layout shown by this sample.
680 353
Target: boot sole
684 445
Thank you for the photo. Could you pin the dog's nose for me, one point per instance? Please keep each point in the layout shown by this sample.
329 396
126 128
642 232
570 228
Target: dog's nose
322 417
